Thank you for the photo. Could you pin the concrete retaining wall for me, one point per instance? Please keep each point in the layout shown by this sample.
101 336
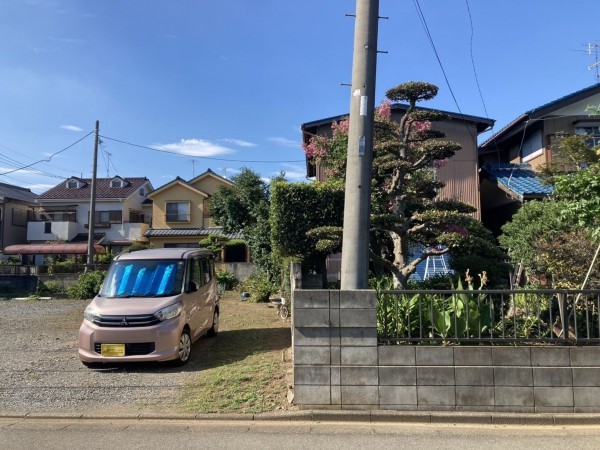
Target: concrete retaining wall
339 365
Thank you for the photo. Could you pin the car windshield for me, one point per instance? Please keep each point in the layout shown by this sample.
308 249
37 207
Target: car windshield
143 278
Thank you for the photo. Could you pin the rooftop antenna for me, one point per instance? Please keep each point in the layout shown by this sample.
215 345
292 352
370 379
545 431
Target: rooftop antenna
596 65
193 169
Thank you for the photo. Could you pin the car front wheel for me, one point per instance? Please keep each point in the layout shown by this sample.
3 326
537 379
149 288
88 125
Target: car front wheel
185 348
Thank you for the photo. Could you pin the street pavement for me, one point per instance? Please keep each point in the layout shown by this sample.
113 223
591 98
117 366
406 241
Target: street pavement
160 433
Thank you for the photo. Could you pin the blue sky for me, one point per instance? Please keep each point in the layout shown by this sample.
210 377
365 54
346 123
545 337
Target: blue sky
233 80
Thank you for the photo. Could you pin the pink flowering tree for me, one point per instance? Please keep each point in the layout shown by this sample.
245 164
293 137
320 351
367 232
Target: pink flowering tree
409 222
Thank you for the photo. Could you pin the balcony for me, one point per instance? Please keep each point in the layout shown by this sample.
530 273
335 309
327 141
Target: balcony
51 231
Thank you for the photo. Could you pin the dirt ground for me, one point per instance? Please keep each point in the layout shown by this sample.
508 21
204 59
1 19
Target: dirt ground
245 368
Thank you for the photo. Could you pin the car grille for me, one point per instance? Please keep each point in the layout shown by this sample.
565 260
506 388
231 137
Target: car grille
135 348
126 321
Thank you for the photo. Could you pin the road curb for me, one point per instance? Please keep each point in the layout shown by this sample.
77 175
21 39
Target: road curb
374 417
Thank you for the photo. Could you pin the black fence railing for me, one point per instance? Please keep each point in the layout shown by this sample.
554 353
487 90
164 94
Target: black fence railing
489 316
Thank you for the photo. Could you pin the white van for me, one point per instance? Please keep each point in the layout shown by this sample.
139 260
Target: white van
152 306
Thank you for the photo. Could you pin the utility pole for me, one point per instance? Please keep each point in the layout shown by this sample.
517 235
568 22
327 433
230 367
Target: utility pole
92 216
357 206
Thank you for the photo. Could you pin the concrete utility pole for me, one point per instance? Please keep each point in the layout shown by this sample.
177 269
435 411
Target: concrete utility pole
357 206
90 250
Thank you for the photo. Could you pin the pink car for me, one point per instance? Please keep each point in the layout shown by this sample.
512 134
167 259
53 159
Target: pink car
152 306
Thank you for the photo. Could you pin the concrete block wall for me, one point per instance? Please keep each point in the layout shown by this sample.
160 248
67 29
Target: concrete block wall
339 365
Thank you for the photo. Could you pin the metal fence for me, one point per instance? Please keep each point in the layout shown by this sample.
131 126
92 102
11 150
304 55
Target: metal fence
489 316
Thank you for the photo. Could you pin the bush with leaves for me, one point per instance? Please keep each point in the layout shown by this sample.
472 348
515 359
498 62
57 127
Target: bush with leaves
52 287
259 286
226 279
87 285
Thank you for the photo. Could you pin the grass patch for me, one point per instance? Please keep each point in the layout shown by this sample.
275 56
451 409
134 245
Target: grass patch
242 370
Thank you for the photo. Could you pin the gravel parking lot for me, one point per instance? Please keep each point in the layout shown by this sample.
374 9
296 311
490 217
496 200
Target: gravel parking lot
41 372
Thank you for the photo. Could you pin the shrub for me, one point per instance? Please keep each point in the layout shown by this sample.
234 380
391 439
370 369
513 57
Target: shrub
63 267
226 279
259 287
87 285
52 287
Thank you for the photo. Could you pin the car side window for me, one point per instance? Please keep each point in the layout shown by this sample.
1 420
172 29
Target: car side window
196 272
206 273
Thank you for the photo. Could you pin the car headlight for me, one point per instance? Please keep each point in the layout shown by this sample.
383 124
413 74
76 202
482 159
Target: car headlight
90 314
168 312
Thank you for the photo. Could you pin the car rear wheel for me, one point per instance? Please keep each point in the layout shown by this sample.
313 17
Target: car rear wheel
185 348
212 332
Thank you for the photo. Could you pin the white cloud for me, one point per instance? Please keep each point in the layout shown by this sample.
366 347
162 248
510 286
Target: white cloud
284 142
293 172
195 147
238 142
40 188
71 128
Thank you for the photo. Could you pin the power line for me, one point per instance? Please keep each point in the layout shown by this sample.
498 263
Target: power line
198 157
49 157
426 28
473 60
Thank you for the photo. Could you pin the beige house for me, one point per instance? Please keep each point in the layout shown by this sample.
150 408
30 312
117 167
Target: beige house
460 174
181 217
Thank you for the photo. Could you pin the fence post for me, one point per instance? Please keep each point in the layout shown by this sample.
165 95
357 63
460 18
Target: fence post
564 314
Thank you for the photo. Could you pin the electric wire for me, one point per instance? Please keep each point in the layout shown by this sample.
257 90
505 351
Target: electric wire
430 38
198 157
49 157
473 59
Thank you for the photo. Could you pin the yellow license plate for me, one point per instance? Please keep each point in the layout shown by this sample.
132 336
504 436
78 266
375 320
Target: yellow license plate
112 350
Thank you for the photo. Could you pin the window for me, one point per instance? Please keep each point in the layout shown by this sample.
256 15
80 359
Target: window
19 217
47 227
72 184
201 270
591 130
142 192
116 183
178 211
104 219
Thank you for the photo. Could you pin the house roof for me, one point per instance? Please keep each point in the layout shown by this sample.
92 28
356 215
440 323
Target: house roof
103 189
50 249
180 181
191 232
519 180
517 125
8 191
210 173
482 123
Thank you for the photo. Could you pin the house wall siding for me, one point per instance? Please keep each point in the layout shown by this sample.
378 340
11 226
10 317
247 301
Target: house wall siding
460 173
177 193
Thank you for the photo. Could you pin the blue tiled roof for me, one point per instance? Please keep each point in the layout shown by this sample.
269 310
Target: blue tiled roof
517 178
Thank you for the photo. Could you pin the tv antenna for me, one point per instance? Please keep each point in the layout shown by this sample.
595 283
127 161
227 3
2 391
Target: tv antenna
596 65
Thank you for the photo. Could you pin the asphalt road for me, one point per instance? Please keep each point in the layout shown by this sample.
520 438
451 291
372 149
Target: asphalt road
132 434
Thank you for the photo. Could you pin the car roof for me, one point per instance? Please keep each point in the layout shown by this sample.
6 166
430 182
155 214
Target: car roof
164 253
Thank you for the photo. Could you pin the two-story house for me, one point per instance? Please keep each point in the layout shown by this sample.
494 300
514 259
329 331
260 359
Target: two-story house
61 222
181 215
16 208
460 174
510 158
